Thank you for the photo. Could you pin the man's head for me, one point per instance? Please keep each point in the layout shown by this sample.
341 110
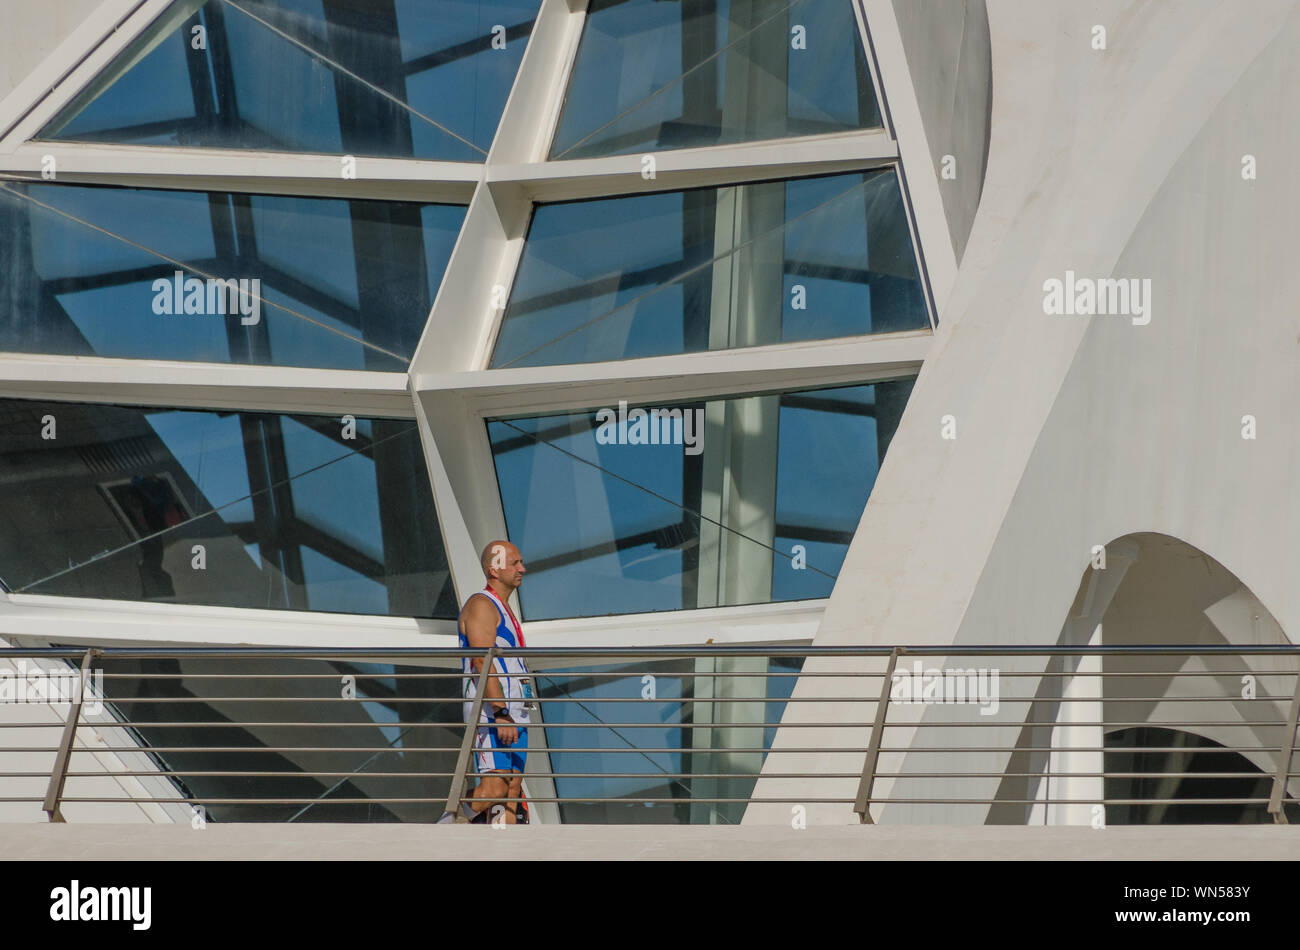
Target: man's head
502 562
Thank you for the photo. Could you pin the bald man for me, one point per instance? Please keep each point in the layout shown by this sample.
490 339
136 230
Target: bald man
501 744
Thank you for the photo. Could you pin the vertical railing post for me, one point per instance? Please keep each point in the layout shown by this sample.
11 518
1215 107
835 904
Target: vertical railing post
59 774
460 776
1285 753
863 803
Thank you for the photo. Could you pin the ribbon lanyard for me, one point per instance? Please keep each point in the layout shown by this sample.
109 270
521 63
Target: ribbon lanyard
519 631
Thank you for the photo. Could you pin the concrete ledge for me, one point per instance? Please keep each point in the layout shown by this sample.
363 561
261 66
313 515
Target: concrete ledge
353 842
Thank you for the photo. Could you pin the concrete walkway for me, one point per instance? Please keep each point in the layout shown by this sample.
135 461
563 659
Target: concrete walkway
352 842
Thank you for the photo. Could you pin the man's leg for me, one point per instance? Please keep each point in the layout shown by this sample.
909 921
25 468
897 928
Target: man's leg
518 760
493 764
516 796
494 785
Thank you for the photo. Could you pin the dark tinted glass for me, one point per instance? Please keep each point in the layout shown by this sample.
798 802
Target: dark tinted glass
745 500
713 268
234 509
325 282
654 75
395 78
375 747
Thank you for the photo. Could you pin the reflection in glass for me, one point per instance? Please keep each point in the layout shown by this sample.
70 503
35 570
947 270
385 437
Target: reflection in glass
341 284
759 507
1218 774
670 752
381 733
232 509
654 75
713 268
399 79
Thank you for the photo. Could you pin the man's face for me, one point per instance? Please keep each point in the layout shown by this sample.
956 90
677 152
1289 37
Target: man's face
512 575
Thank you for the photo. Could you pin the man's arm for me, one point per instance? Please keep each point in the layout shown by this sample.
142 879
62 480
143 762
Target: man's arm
481 620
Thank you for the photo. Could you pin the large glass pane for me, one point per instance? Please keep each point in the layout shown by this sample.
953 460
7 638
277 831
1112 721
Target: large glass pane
668 747
403 724
233 509
394 78
654 75
144 273
732 501
713 268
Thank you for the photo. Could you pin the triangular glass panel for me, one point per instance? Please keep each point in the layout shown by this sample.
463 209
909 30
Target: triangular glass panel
393 78
653 75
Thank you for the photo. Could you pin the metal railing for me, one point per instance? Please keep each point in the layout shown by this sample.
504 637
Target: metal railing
1055 744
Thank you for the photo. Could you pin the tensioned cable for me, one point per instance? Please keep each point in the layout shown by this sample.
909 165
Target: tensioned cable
4 176
343 69
668 85
663 498
284 481
698 267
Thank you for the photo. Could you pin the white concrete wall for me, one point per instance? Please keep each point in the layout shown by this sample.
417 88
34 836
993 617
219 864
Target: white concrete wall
32 31
1072 430
948 60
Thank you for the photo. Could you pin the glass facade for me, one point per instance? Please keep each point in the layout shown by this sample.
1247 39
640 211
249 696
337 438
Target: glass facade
652 75
366 745
713 268
667 749
698 502
232 509
703 504
1216 773
219 277
395 79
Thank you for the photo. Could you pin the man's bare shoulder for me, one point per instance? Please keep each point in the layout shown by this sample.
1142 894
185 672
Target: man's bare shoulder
478 606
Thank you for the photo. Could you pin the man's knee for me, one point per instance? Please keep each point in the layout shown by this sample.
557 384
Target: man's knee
492 786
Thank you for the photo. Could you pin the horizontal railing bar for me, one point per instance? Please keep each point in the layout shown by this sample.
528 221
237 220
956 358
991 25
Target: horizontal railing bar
1152 724
549 674
641 750
1118 750
682 674
1063 801
374 724
425 801
282 676
1106 674
625 674
631 750
668 700
879 650
667 750
738 776
1054 774
390 701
